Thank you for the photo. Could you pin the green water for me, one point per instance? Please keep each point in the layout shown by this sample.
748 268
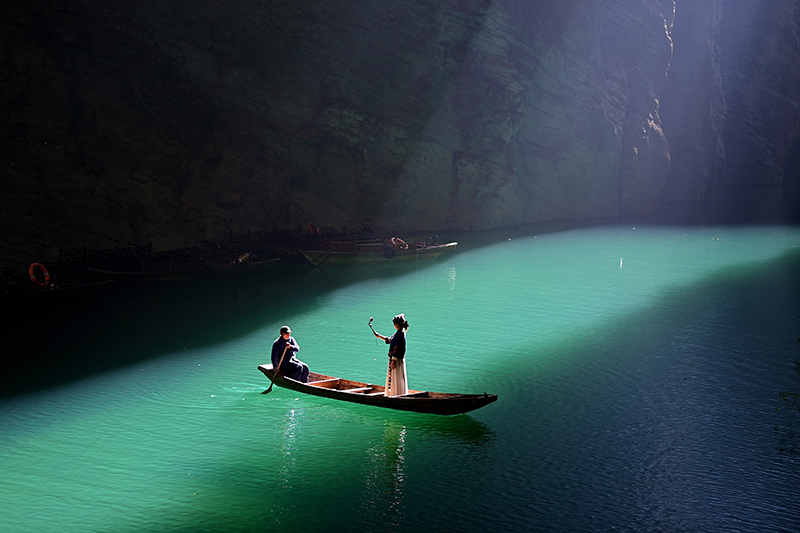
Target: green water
637 369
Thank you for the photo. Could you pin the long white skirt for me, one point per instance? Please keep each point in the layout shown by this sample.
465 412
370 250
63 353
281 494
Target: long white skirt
396 380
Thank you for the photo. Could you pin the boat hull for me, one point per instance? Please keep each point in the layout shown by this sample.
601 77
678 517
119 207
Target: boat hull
438 403
347 253
173 272
62 290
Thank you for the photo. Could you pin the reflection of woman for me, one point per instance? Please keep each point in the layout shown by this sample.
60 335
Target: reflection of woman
396 380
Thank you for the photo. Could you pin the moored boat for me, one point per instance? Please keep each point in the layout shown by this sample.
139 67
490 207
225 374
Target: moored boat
141 265
47 285
373 251
62 289
439 403
171 271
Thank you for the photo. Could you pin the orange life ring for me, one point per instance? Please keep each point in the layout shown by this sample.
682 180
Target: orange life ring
32 274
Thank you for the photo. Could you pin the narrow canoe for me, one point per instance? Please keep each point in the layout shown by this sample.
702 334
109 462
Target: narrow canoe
188 270
348 252
438 403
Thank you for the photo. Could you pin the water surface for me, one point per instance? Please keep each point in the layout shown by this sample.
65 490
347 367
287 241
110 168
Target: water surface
638 371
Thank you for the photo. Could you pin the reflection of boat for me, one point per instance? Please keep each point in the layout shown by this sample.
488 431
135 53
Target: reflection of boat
172 270
332 252
439 403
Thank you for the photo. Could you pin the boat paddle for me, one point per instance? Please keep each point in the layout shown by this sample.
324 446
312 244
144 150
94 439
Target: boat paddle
275 371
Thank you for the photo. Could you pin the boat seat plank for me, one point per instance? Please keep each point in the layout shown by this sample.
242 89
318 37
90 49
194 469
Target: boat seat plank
360 389
375 394
332 380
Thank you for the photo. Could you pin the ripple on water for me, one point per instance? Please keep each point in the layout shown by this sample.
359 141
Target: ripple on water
220 396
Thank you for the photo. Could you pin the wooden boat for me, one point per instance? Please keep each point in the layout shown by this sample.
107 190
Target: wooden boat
141 265
171 271
438 403
45 285
66 289
63 289
372 251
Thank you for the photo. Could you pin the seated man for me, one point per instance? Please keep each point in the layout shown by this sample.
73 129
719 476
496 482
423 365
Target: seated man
283 357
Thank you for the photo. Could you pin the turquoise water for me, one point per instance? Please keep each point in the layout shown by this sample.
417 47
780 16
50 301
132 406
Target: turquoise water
638 371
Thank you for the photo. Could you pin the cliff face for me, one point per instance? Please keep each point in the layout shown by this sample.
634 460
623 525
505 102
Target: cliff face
730 103
167 122
693 103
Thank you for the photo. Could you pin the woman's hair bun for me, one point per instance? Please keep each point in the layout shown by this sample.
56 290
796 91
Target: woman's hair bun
401 319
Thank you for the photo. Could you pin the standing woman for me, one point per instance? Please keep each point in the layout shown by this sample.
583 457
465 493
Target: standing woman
396 379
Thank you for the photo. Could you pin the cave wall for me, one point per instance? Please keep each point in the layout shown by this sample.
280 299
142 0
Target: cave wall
170 122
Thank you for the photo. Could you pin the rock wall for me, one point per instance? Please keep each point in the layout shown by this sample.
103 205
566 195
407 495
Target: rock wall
165 122
730 104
